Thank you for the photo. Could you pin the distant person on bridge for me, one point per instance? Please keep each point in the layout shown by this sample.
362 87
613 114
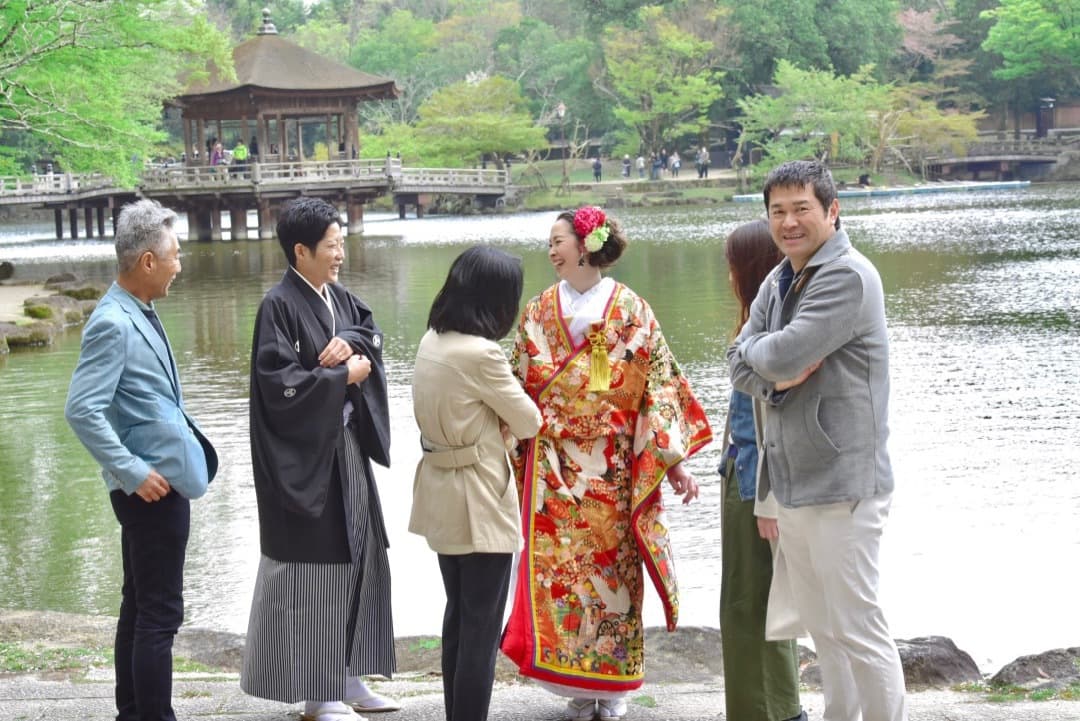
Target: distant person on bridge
239 157
217 154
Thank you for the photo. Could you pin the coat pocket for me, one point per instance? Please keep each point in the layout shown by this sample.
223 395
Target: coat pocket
173 450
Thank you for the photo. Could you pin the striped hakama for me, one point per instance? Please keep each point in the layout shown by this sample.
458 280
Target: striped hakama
314 624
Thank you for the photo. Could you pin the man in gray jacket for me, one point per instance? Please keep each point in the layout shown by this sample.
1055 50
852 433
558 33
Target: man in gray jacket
815 354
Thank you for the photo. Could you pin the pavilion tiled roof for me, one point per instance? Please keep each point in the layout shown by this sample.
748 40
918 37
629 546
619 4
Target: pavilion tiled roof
271 62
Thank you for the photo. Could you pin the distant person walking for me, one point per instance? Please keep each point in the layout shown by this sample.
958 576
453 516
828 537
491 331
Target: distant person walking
626 166
597 169
703 162
641 166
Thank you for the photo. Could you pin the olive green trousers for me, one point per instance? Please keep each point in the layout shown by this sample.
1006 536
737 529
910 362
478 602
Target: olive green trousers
761 678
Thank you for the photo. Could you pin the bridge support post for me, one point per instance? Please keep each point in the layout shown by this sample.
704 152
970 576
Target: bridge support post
58 218
354 210
401 211
101 222
267 221
73 222
199 224
88 216
215 222
238 223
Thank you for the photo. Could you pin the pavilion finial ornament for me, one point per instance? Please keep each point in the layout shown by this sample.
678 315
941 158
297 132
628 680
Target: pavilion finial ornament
268 27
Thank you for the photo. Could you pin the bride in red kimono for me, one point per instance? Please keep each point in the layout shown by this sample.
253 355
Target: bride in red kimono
618 416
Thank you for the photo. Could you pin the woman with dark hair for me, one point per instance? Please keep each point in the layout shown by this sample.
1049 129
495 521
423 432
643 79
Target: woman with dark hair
761 678
467 404
618 416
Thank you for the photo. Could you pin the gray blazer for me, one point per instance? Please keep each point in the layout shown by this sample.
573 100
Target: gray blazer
825 440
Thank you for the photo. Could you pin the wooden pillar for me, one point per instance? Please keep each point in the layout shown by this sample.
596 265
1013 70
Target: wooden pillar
186 124
238 222
115 217
299 140
101 221
401 211
354 210
73 221
267 219
204 157
352 143
88 216
58 216
283 149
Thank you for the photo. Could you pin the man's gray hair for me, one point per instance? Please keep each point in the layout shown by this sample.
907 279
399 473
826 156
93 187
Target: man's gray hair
141 227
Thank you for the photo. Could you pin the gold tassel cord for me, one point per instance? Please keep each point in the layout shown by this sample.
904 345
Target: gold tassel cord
600 368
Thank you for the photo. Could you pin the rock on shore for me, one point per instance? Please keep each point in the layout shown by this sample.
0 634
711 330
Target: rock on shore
30 318
689 655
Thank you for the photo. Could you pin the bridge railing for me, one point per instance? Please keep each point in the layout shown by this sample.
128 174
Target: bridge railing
51 183
451 177
1022 146
194 177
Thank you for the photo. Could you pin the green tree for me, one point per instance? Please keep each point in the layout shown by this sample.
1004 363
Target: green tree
401 47
1037 40
553 69
89 79
850 118
837 35
663 78
814 114
462 122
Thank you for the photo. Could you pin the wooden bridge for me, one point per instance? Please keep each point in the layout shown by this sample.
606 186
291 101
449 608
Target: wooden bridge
1003 159
204 192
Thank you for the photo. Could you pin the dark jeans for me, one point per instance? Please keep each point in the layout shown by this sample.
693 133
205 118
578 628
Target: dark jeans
476 587
153 537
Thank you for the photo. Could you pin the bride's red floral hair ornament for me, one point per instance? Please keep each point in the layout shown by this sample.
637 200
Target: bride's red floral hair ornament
590 224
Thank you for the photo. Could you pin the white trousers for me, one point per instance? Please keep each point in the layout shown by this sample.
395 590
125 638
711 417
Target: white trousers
827 568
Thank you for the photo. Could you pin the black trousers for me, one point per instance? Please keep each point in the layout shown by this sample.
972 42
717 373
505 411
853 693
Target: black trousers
153 538
476 588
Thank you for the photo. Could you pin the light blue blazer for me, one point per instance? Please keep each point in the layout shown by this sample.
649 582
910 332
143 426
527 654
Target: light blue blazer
126 406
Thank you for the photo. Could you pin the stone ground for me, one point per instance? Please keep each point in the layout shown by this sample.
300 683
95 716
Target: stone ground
11 300
684 683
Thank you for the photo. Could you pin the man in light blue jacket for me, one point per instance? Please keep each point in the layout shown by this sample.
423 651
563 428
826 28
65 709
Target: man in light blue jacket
815 353
126 406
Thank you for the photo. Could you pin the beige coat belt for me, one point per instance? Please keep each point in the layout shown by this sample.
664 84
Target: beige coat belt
460 457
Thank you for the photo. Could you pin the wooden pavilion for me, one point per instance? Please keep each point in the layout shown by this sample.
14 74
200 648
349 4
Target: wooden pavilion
280 87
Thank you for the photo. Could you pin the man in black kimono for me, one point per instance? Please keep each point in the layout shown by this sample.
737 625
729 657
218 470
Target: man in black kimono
321 616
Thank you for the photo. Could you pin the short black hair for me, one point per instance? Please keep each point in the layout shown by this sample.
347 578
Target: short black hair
481 295
304 221
799 174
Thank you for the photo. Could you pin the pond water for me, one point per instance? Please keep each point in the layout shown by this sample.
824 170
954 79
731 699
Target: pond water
983 300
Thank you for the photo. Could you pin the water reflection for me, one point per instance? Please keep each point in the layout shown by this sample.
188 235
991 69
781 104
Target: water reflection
982 303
